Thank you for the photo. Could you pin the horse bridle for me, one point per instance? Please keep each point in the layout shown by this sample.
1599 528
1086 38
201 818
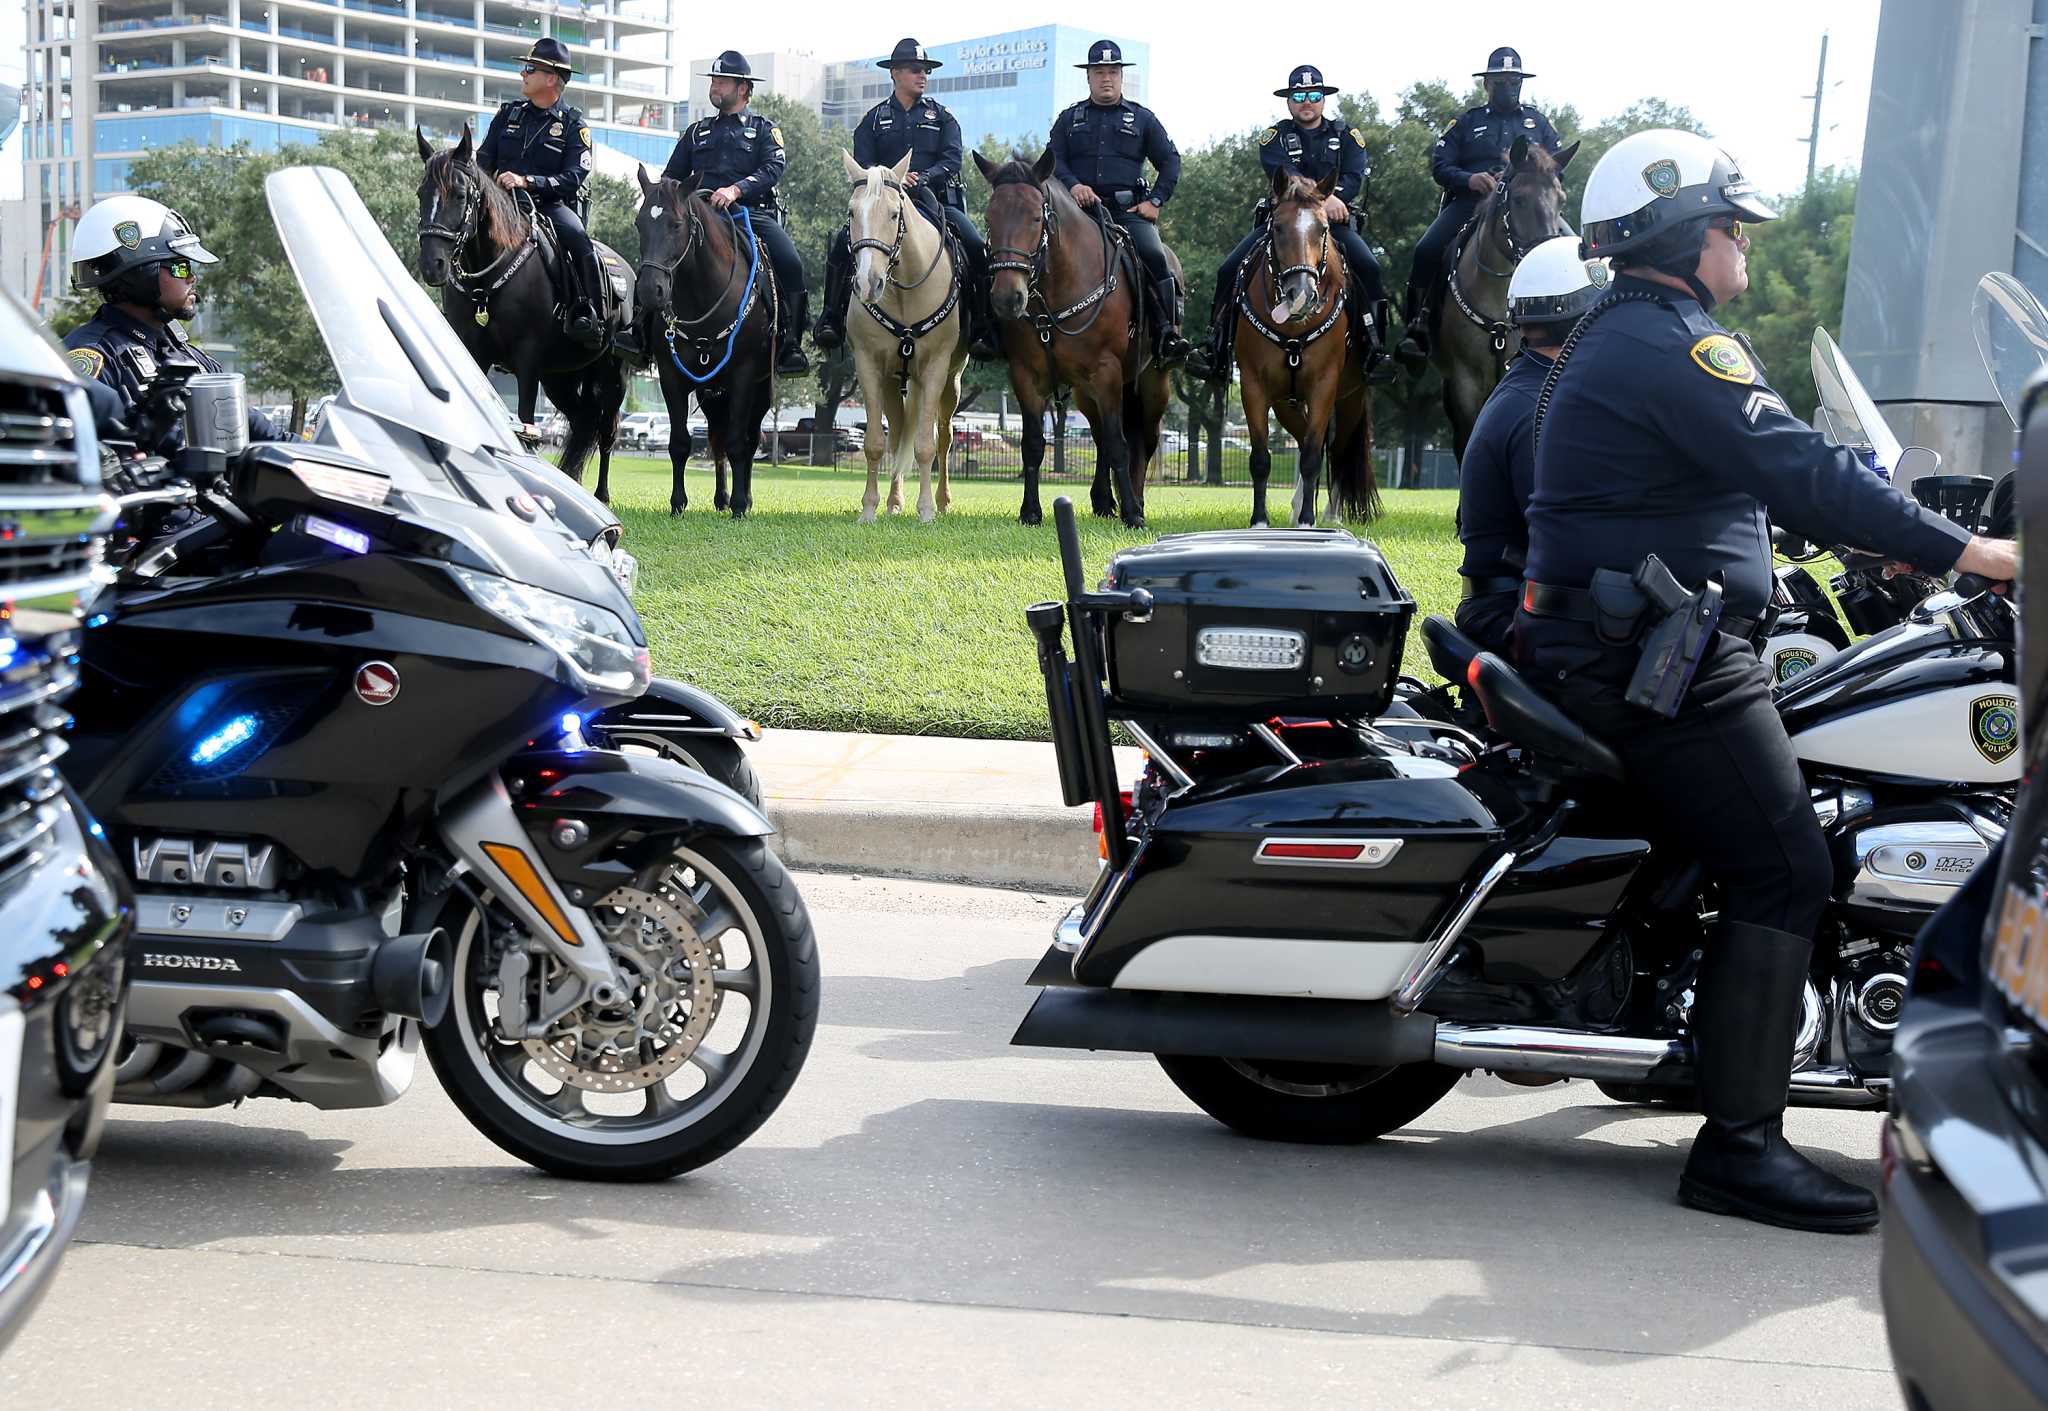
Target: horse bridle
1275 273
466 281
895 251
692 221
1037 265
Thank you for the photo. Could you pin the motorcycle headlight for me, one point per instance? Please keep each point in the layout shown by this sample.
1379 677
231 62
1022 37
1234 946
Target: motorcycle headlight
593 643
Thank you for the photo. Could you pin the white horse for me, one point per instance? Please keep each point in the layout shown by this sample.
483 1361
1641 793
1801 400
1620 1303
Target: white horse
907 294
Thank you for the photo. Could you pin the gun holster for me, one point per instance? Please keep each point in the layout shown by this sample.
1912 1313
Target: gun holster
1679 640
1619 607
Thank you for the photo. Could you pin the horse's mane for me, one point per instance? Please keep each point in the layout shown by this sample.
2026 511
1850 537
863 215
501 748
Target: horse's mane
1299 188
1015 172
505 225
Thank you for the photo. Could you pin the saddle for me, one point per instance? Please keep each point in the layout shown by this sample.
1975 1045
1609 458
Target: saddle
614 300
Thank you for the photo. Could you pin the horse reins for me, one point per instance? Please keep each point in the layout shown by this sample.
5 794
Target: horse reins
1036 268
1499 330
702 344
1293 346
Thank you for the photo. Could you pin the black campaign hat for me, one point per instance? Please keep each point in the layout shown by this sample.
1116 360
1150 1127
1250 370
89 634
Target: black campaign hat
1105 51
908 51
731 64
1504 61
550 53
1305 77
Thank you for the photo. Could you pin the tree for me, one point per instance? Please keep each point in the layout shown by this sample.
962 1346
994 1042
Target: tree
1798 272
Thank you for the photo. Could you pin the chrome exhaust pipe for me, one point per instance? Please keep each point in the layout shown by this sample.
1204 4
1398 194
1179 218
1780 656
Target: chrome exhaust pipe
1564 1053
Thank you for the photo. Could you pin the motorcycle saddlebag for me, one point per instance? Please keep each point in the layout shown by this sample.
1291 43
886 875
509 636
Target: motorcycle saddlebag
1258 622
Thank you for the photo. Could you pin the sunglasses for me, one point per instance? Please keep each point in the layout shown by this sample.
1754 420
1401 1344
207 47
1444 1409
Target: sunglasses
178 269
1303 96
1729 224
525 69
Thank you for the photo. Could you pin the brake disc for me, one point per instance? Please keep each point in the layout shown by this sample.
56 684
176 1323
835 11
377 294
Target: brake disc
671 1000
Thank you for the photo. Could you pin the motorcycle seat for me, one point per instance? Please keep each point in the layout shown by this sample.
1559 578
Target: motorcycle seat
1518 712
1450 651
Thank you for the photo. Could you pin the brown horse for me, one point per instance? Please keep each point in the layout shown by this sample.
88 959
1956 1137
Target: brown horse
1475 341
1069 299
1295 357
479 247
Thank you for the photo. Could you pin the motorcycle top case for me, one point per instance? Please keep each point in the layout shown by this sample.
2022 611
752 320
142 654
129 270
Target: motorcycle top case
1258 622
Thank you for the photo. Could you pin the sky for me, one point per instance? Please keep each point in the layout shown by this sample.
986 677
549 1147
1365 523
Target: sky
1742 66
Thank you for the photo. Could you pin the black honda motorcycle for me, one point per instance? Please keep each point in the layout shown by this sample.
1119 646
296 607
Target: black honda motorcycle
333 721
1318 915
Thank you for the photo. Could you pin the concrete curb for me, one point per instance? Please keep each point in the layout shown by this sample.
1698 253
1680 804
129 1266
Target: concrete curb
1023 846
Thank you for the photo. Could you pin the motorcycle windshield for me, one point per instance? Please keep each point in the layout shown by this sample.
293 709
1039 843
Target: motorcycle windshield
26 347
397 358
1853 417
2011 329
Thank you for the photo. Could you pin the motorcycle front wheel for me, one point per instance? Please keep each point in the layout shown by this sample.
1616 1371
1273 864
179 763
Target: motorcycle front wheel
722 972
1322 1103
715 755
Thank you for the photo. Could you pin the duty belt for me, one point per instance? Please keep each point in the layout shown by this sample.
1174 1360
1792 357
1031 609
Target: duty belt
1576 605
1487 587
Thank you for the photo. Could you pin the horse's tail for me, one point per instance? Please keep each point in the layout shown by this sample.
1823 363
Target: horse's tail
1353 483
903 445
586 423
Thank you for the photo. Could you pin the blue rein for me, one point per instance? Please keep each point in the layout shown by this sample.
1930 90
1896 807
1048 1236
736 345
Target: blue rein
746 219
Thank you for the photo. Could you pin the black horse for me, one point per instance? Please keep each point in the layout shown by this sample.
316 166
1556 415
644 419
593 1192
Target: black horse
478 245
706 301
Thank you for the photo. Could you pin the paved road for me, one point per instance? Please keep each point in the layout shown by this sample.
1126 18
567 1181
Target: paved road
936 1219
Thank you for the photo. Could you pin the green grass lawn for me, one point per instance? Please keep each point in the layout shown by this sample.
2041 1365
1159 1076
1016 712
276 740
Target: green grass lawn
802 618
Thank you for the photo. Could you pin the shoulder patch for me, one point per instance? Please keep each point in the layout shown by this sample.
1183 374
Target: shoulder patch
1358 137
1720 356
775 135
1268 135
88 361
586 136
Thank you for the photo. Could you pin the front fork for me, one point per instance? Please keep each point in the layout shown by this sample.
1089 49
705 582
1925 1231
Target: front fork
482 830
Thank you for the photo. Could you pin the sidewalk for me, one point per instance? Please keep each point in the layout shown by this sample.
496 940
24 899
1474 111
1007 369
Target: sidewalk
983 811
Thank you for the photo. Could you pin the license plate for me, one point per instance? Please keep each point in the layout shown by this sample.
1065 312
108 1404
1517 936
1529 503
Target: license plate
12 1025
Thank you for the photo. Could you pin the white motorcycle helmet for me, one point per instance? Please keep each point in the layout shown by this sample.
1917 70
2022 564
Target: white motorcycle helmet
119 243
1555 284
1651 196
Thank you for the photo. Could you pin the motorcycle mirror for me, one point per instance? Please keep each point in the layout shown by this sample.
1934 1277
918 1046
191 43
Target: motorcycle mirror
1914 462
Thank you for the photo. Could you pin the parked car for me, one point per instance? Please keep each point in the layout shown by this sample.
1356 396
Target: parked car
555 430
633 428
65 906
1965 1165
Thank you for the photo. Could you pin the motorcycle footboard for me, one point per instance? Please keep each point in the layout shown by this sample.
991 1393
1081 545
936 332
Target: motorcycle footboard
1227 1026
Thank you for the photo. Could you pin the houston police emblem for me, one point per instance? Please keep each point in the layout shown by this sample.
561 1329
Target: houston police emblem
1661 176
129 234
1995 727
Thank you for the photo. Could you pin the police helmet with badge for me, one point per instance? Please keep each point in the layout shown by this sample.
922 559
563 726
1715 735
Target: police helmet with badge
1554 284
120 243
1652 197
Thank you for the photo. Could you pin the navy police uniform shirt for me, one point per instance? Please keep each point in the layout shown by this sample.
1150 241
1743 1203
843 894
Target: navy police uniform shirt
550 147
928 131
740 149
1479 142
120 351
1315 152
1663 438
1106 148
1499 471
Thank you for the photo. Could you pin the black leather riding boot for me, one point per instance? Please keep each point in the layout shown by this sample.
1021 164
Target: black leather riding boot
1173 348
985 342
831 329
789 348
1211 361
1413 353
1746 1016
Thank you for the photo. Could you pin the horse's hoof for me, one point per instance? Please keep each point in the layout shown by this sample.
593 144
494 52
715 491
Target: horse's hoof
675 509
1105 511
721 504
867 516
1031 514
1138 523
1260 522
927 516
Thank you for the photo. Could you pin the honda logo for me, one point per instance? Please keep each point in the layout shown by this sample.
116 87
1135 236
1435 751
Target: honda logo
377 683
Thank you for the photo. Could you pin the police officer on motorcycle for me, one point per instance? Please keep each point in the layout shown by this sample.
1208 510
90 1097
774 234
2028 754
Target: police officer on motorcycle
1099 148
1660 436
144 260
1467 163
1303 141
1550 289
541 145
908 121
738 157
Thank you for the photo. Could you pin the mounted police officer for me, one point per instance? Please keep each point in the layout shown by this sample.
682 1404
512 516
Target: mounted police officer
1661 436
1099 148
1302 141
1548 292
908 121
1467 163
541 145
144 260
738 157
